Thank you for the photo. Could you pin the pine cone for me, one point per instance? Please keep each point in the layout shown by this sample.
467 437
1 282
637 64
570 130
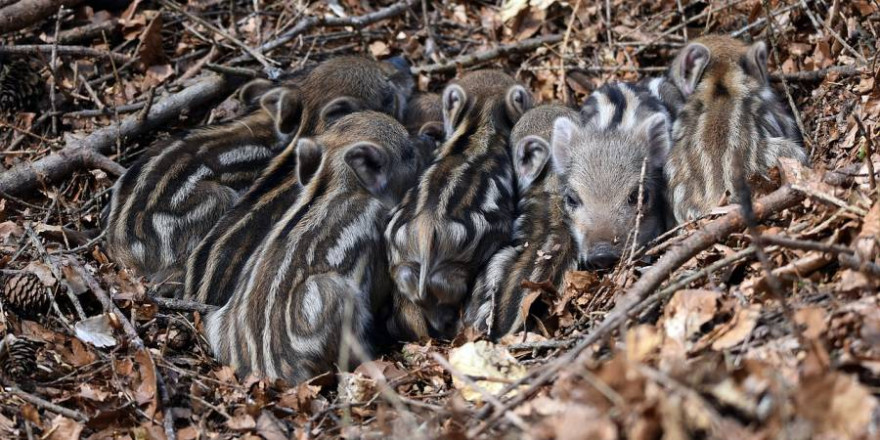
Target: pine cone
21 85
25 294
179 337
18 358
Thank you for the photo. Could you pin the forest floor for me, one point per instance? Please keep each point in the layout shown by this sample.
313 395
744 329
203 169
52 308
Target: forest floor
768 333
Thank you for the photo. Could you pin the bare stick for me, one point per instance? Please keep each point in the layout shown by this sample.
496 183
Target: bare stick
27 12
816 75
307 24
89 32
76 154
182 305
254 54
47 405
29 49
487 55
869 150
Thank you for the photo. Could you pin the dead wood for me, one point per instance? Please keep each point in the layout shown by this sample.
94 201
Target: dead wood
27 12
27 49
488 55
79 154
307 24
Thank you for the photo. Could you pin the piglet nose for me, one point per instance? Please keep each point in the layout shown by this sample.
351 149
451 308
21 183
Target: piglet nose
601 257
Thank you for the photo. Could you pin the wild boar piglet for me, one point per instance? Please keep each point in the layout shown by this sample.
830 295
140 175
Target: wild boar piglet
322 267
462 211
610 167
542 249
731 127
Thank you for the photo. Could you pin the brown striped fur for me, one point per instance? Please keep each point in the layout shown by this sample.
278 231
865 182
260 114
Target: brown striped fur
462 211
322 267
542 249
150 232
731 127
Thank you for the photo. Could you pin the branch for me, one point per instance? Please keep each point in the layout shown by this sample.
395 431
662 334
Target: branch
47 405
816 75
78 154
481 57
182 305
711 233
307 24
27 12
27 49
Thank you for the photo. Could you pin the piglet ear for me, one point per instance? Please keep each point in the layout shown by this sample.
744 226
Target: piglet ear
656 130
531 155
517 102
252 91
560 143
756 61
454 103
308 159
432 130
339 108
370 164
284 105
688 67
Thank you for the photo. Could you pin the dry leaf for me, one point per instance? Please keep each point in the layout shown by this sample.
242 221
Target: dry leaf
65 429
484 359
813 320
96 330
734 332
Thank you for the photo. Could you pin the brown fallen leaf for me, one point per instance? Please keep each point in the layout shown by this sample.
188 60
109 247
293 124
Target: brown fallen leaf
733 332
65 429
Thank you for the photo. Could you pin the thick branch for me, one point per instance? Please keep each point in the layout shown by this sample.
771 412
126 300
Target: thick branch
27 12
80 153
26 49
487 55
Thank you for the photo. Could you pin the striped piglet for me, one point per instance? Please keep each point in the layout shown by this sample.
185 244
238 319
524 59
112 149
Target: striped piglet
542 249
322 268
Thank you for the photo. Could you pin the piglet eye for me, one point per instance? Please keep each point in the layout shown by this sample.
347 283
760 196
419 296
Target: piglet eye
633 198
571 200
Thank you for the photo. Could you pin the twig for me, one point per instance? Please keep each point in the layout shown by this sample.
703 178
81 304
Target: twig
28 49
828 198
563 90
307 24
29 176
53 66
182 305
759 22
87 33
541 345
836 36
266 63
869 150
481 57
791 104
27 12
816 75
106 111
146 110
234 71
47 405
